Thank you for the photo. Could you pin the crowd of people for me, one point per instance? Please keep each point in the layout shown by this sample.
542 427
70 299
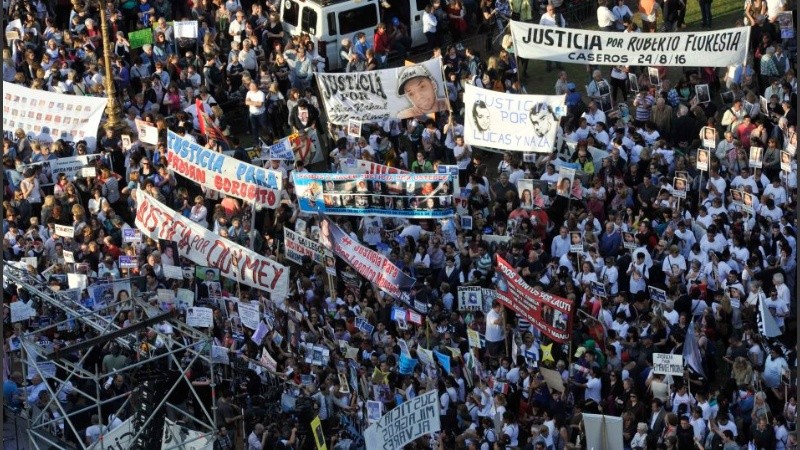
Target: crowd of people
722 264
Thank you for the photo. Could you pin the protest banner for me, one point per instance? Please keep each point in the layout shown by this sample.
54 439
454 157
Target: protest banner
204 247
186 29
474 339
172 272
224 174
128 262
298 246
548 313
65 231
199 317
668 364
657 295
525 123
131 235
249 315
603 432
139 38
280 150
72 167
373 266
470 298
382 94
20 311
47 116
360 167
405 423
148 133
421 196
718 48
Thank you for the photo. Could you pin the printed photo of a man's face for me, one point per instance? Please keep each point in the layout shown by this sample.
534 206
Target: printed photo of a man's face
421 92
480 113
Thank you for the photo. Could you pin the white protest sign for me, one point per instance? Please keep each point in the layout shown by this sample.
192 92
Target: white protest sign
77 280
185 299
298 246
219 354
69 257
172 272
249 315
19 311
199 317
147 133
668 364
405 423
65 231
261 331
186 29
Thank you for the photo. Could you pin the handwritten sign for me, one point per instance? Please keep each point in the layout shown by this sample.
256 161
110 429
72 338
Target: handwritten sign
668 364
199 317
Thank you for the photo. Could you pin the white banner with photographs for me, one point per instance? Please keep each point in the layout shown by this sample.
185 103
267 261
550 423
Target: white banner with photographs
719 48
525 123
402 93
48 116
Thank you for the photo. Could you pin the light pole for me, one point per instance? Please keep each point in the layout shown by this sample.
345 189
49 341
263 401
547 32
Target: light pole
113 119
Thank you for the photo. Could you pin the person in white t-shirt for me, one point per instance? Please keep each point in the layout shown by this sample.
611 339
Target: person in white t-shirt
495 330
256 103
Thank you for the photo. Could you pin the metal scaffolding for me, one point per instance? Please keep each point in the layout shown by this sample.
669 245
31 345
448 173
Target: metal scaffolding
63 369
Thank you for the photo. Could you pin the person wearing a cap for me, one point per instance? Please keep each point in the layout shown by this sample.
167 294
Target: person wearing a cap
417 84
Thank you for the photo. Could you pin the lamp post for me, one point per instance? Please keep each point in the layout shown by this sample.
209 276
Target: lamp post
113 120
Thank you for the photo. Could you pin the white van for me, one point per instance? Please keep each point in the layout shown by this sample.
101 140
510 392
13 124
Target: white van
328 22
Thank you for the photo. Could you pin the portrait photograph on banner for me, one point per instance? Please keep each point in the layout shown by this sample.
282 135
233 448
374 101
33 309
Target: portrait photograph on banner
400 93
526 123
385 195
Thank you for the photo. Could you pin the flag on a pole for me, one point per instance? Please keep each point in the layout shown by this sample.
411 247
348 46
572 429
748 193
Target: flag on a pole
691 352
766 323
208 127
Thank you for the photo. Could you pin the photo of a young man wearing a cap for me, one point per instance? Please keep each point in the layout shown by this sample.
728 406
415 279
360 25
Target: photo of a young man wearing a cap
417 84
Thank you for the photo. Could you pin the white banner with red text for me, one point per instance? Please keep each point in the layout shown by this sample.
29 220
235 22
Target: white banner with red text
205 248
719 48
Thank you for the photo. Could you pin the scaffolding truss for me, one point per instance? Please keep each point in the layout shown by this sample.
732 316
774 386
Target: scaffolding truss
64 370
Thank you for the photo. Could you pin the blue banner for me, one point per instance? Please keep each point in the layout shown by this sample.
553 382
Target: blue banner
444 360
418 196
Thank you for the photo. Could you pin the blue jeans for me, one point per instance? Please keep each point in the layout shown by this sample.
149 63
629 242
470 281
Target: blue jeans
258 124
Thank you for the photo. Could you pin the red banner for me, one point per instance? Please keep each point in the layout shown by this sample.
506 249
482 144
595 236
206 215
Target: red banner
550 314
